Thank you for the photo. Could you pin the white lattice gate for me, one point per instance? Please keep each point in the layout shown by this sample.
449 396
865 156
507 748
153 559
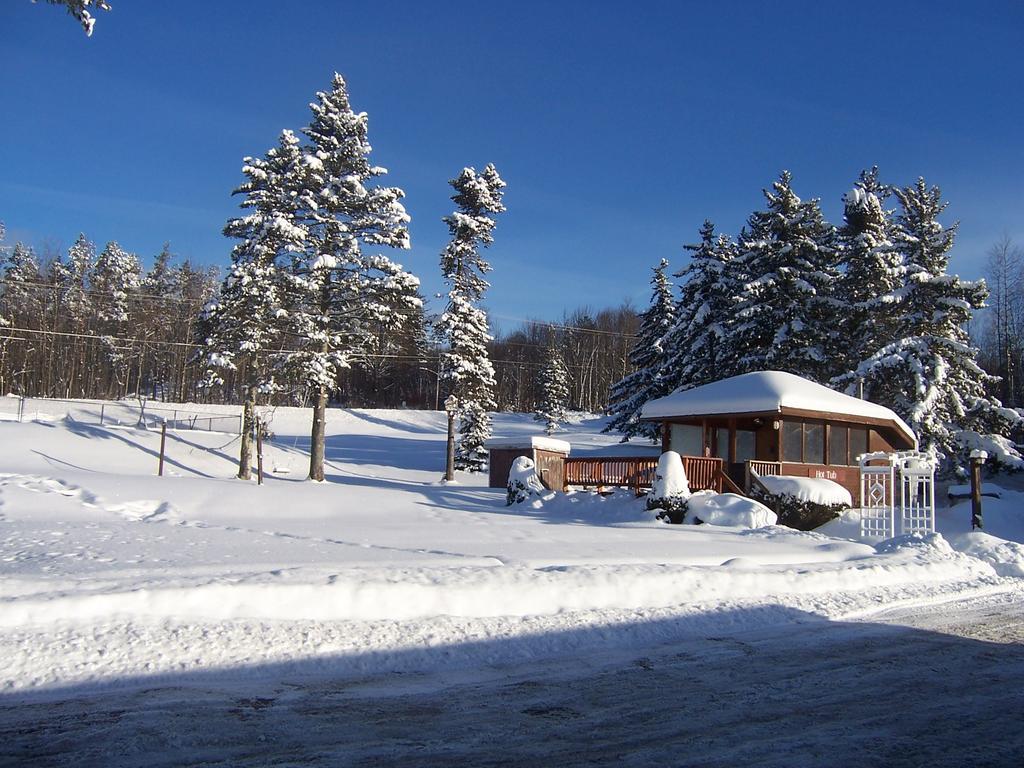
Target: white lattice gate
917 497
877 486
882 476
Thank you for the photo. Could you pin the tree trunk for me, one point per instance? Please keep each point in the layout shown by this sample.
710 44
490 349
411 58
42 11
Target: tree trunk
248 422
316 445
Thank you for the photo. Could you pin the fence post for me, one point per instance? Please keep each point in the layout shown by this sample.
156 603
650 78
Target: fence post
21 409
103 412
163 442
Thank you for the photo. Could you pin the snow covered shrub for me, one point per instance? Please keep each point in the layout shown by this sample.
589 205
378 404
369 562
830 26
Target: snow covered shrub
522 481
803 503
670 490
798 513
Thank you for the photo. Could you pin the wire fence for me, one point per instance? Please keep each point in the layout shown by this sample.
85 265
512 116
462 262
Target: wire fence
117 413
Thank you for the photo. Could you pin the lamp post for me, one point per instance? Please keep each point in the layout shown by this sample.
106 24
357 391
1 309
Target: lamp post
977 459
451 405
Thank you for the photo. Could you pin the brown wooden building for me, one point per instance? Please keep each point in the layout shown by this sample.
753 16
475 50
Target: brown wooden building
777 423
548 456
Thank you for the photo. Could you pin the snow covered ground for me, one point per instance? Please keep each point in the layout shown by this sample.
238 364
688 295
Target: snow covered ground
196 587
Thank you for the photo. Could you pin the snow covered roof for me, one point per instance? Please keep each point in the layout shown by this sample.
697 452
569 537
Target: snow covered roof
537 442
766 392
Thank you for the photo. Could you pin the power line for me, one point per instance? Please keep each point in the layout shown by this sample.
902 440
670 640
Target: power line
560 327
130 296
126 343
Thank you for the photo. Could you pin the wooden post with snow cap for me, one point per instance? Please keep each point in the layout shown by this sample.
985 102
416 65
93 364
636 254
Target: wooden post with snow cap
163 443
450 406
977 459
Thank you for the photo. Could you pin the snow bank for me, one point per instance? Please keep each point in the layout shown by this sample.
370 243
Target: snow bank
1006 557
1003 516
815 490
402 593
729 509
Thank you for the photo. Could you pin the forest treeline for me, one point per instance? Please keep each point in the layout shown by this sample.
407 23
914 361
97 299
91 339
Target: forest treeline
58 339
98 324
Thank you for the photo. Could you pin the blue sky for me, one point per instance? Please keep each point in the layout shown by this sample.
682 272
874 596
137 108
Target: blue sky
618 127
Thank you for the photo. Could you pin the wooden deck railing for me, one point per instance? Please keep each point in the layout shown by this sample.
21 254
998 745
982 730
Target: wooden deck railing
634 472
765 467
637 472
704 473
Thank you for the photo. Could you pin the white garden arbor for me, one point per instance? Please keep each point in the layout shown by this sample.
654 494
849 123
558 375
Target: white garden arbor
897 486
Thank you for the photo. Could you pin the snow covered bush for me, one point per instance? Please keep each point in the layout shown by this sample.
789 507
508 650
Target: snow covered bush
670 490
729 509
803 503
523 482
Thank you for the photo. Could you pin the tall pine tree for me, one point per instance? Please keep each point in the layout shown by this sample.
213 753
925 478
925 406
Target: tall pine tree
465 366
553 388
115 279
338 294
243 325
628 396
873 275
930 375
784 320
697 346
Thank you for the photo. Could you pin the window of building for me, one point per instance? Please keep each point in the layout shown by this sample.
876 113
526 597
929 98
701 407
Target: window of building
858 443
792 441
814 443
838 445
722 443
687 440
746 445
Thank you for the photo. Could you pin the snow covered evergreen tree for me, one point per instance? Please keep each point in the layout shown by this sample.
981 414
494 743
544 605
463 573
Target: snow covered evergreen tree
870 284
785 319
243 325
115 278
553 386
116 275
930 375
71 278
159 280
465 366
697 346
22 282
338 295
628 396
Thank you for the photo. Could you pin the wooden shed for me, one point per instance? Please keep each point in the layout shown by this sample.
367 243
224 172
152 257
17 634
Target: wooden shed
548 455
776 423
